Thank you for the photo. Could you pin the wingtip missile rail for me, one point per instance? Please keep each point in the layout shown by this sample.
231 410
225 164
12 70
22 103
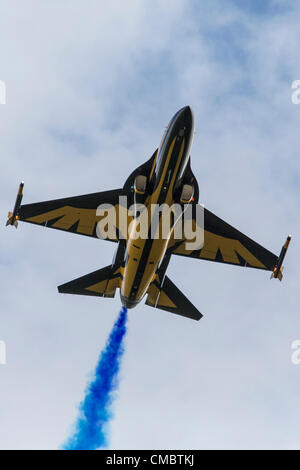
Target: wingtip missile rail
14 216
278 268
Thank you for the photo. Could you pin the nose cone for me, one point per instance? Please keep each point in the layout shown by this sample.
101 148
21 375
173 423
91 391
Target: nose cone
187 110
188 115
185 117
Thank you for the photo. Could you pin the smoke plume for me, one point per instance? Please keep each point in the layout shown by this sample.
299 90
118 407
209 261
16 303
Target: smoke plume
91 428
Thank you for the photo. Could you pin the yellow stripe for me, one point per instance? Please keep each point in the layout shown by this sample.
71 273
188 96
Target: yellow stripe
158 245
153 166
155 195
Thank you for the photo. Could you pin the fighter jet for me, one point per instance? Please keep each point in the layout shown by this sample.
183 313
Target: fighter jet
139 266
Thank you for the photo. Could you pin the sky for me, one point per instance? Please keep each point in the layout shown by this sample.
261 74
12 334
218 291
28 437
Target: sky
90 87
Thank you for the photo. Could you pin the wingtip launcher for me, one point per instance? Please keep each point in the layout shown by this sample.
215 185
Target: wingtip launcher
14 216
277 271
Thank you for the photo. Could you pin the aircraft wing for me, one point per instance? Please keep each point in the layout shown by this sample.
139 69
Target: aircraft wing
225 244
78 214
170 298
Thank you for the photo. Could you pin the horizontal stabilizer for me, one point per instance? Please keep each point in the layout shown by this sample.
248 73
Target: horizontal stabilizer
102 283
170 298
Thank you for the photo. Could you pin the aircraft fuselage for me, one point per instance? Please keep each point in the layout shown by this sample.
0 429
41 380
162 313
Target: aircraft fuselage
144 254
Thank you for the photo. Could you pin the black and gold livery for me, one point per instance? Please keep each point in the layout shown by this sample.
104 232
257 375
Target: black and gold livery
140 263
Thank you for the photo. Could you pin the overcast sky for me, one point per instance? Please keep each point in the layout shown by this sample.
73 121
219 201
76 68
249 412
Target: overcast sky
90 88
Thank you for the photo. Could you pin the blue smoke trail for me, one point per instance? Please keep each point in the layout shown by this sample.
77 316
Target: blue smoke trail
95 410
